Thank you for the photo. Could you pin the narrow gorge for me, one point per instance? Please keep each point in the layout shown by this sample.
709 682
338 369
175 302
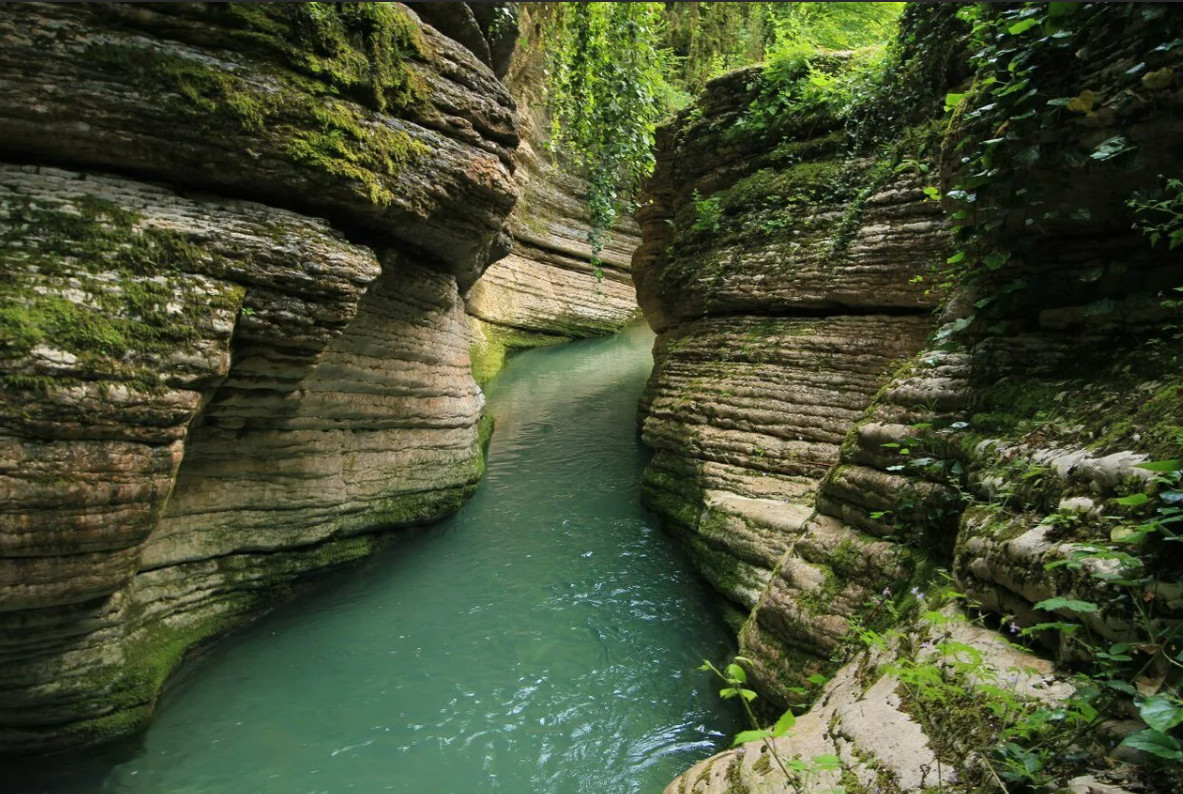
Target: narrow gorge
913 428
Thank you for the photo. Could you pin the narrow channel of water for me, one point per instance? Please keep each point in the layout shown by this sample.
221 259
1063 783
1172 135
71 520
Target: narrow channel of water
543 641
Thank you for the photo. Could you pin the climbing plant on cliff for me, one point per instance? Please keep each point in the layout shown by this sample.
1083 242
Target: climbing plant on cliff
607 88
1018 116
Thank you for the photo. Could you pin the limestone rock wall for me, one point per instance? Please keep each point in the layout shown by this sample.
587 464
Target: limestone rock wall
548 289
777 268
1000 454
234 348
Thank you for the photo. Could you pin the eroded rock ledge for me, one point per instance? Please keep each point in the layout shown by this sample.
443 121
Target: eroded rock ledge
779 274
234 343
999 453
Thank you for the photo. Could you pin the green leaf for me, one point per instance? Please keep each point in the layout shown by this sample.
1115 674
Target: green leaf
1155 743
1161 465
996 260
747 695
1161 712
743 737
1111 148
728 693
1121 686
1022 27
824 762
1133 500
786 722
817 679
736 673
953 100
1060 602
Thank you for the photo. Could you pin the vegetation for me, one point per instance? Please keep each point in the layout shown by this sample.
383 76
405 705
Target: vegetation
615 69
342 57
606 86
1004 122
735 686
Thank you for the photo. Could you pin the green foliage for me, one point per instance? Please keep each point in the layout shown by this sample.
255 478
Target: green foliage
735 680
1015 118
802 28
1161 217
707 212
810 76
606 84
708 39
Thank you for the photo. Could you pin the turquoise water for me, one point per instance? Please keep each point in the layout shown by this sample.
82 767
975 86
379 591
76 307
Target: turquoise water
542 641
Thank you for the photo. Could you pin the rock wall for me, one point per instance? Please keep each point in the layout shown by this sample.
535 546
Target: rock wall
233 244
1004 457
549 288
778 269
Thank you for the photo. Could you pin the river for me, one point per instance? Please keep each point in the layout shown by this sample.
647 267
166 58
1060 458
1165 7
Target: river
544 640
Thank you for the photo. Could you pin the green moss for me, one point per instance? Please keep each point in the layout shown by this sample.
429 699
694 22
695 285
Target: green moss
676 498
821 600
344 144
485 432
802 183
1127 397
354 47
353 50
490 344
100 286
193 89
409 509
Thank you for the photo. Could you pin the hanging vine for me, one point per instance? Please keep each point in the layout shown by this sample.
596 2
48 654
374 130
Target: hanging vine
607 92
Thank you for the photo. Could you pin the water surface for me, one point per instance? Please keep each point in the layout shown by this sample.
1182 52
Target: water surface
542 641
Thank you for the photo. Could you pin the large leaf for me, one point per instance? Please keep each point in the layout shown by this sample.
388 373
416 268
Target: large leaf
749 736
1111 148
1161 465
1161 712
1156 743
786 721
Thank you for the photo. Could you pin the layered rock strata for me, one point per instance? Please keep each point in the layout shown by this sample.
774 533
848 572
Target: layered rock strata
1026 454
233 246
551 287
778 269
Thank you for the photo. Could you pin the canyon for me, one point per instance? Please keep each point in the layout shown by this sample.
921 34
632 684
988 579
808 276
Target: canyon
911 369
